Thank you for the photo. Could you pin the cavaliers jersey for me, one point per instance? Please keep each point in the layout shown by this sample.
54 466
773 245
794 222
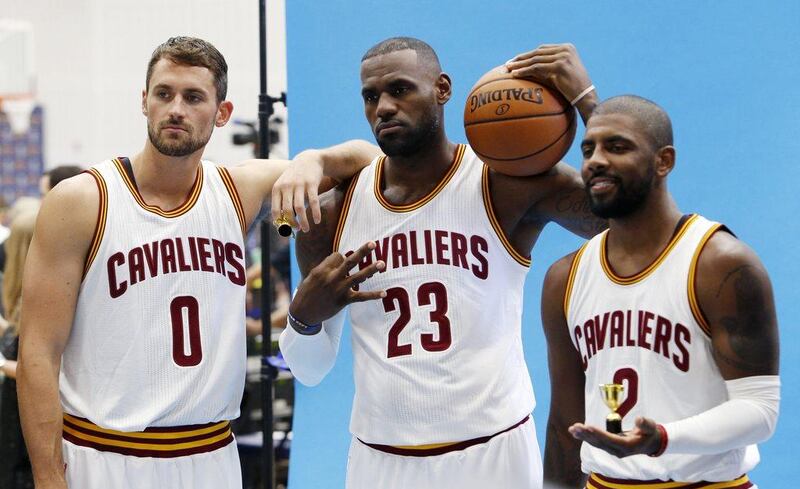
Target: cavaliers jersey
648 333
439 359
158 337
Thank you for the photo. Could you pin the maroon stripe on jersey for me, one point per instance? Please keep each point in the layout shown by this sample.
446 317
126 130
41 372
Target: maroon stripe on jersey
155 441
597 481
429 452
149 453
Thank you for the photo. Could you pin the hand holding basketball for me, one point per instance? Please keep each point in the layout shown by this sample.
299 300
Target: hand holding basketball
557 65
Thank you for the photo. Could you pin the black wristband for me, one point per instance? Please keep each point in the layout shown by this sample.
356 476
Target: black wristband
303 328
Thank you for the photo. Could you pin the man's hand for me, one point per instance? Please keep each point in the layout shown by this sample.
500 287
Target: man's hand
644 438
559 66
289 193
329 287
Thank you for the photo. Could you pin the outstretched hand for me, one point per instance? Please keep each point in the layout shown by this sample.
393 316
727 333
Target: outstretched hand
329 287
644 438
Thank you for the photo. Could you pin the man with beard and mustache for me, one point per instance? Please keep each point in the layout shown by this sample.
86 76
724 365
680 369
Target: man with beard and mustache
674 308
132 354
443 395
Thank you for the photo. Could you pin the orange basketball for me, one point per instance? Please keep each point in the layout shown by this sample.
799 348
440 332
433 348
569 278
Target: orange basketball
517 126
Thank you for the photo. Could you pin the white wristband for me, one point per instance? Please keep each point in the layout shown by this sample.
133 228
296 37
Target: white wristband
581 95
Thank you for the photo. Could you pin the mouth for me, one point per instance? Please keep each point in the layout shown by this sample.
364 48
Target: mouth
601 184
387 128
174 128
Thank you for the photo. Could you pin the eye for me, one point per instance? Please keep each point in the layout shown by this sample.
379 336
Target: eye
587 151
400 90
162 94
369 97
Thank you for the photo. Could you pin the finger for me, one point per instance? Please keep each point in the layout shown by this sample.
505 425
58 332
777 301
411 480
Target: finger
276 203
366 273
286 202
538 59
300 207
541 49
358 255
366 296
313 203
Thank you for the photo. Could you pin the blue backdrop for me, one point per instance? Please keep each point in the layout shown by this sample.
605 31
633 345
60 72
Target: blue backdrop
726 72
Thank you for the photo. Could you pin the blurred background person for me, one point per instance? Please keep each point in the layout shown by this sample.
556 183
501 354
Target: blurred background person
15 467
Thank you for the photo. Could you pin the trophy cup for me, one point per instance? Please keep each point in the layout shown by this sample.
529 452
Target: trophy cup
284 226
611 397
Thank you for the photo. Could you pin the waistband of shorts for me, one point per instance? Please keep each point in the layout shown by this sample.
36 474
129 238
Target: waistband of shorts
439 448
597 481
161 442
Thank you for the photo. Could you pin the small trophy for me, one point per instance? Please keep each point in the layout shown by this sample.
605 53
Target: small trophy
611 396
284 226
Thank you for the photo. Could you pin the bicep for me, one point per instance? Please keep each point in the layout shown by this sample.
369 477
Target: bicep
735 294
54 271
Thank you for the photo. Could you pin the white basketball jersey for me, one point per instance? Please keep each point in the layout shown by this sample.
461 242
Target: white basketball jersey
158 337
440 358
647 332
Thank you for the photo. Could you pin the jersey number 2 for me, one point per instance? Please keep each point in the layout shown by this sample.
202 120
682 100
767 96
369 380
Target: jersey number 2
427 294
180 355
632 378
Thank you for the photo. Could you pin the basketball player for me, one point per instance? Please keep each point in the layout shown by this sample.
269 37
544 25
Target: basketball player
674 308
443 396
134 295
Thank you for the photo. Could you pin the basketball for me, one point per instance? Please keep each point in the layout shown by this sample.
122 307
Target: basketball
517 126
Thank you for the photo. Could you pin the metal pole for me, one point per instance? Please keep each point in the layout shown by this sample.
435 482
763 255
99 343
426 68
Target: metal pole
267 371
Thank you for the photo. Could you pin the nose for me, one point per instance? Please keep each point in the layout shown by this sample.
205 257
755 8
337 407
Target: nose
386 107
596 161
177 108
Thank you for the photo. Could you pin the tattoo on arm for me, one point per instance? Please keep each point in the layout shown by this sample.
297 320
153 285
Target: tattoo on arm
750 344
574 213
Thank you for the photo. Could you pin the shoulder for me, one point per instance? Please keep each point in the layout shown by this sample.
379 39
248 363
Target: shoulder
724 252
556 277
70 211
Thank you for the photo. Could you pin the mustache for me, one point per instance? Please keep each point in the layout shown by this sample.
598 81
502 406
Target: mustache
173 123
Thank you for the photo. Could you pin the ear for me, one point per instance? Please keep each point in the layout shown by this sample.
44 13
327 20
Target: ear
224 112
665 161
444 88
144 102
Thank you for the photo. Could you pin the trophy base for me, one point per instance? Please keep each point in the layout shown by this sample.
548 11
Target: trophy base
614 426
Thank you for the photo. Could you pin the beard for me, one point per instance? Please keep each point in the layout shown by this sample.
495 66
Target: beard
414 140
628 198
179 147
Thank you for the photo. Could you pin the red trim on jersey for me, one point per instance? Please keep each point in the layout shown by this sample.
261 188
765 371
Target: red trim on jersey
237 201
597 481
459 155
525 261
348 198
429 452
102 215
162 442
191 198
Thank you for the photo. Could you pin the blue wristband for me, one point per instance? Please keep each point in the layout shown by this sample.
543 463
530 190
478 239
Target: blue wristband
303 328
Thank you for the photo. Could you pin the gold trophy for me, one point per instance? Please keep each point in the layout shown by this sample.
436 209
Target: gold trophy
611 396
284 226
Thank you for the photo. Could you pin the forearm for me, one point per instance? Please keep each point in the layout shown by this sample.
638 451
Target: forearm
311 357
41 416
749 417
344 160
562 458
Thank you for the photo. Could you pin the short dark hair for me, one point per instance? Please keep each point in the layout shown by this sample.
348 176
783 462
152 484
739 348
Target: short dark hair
423 49
62 172
653 119
192 51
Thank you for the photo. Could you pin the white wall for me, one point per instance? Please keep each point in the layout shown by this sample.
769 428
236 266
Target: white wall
91 57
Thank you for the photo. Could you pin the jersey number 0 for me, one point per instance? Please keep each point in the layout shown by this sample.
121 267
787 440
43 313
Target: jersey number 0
194 354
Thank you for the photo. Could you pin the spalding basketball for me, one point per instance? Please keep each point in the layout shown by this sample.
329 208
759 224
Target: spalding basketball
516 125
